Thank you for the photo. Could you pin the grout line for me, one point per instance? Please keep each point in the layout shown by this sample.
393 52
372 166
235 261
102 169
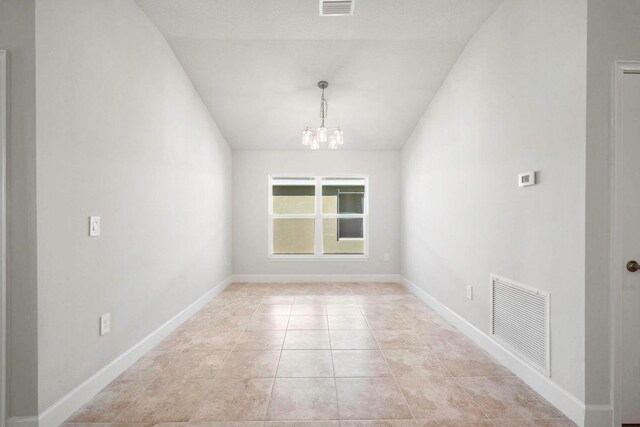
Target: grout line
395 380
273 383
235 344
180 352
242 331
335 383
134 400
451 377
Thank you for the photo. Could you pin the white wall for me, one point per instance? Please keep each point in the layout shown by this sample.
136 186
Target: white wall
250 191
121 133
613 35
514 102
17 36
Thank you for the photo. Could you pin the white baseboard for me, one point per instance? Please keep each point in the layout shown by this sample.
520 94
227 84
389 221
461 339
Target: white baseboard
567 403
22 422
57 413
288 278
573 408
598 416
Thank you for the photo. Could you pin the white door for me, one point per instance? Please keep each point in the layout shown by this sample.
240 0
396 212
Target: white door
630 199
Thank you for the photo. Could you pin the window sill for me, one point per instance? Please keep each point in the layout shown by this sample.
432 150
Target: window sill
311 258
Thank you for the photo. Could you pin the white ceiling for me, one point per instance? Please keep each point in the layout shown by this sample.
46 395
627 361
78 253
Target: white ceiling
256 64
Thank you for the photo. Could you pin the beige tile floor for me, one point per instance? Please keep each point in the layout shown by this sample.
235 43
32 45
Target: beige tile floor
317 354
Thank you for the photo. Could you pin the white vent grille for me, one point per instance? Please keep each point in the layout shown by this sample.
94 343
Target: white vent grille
520 320
336 7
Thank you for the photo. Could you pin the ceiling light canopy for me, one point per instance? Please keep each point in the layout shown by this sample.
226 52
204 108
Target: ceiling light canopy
316 137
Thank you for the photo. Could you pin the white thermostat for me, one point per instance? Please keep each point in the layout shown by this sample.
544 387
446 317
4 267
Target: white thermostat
527 178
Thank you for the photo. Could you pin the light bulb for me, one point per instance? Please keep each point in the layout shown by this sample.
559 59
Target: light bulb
315 145
333 144
307 136
322 134
339 136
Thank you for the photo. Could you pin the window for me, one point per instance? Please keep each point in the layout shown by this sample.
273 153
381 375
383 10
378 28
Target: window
318 217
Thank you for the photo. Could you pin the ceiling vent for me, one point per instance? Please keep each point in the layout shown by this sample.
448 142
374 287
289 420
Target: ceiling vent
336 7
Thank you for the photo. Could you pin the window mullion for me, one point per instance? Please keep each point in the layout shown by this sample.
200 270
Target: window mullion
318 212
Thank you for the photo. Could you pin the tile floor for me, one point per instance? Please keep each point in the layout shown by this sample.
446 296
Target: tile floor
317 354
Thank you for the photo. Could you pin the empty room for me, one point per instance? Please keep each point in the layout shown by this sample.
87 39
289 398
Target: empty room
319 213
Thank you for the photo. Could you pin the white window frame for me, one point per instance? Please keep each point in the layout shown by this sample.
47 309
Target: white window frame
319 216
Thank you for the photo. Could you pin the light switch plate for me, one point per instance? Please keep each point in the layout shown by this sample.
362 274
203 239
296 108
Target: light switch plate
387 257
469 292
94 226
105 324
526 179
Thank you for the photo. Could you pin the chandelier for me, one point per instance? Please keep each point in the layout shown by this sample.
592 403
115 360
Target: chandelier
313 137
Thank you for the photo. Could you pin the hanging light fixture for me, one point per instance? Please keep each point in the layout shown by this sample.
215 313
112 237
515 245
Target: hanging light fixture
313 137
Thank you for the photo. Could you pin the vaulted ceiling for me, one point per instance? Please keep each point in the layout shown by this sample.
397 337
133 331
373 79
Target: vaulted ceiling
256 64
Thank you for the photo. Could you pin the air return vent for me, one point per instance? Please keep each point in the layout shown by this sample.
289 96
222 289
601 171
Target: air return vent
336 7
520 321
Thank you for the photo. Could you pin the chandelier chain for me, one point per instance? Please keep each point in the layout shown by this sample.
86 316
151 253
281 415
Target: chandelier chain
324 107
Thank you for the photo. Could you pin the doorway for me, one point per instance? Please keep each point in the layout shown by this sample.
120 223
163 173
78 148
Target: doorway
626 244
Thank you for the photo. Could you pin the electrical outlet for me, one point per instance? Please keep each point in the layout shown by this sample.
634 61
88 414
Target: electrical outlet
469 292
105 324
387 257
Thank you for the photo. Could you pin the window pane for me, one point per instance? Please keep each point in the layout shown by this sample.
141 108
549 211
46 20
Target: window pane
294 199
293 236
343 199
350 228
350 203
343 236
